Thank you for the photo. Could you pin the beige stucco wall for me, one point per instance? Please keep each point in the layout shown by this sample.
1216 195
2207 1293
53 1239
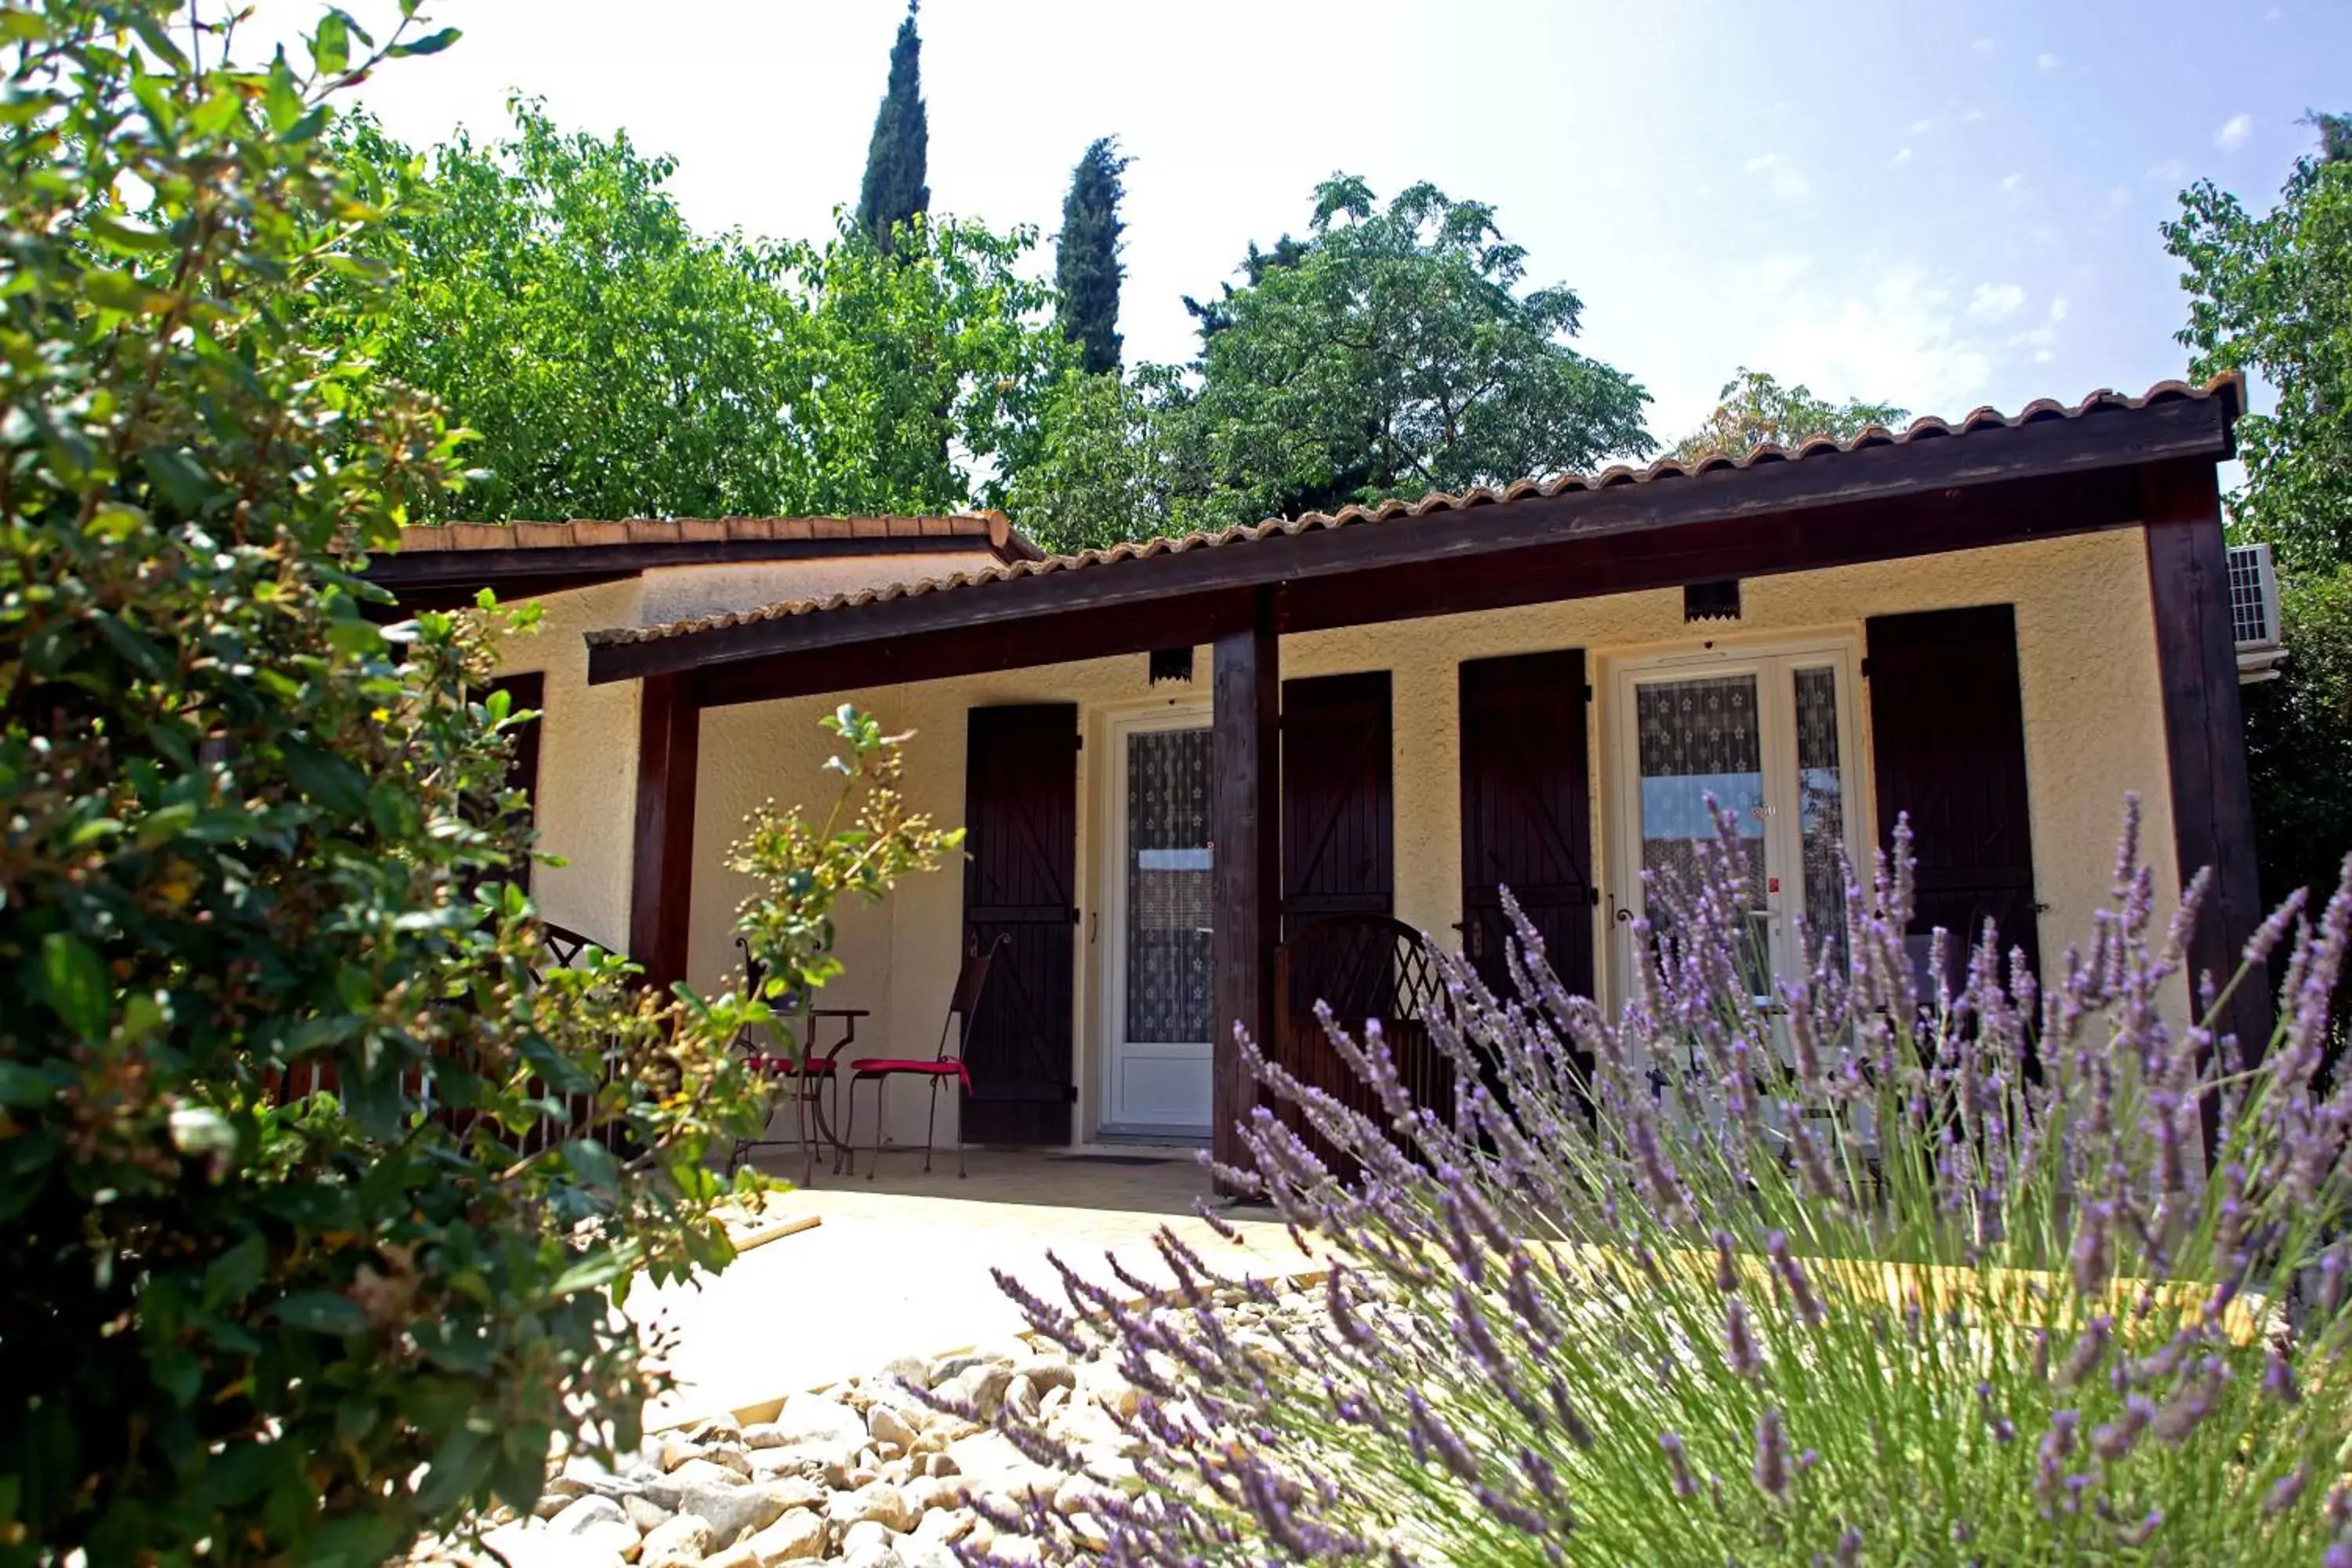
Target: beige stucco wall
2092 712
587 762
588 738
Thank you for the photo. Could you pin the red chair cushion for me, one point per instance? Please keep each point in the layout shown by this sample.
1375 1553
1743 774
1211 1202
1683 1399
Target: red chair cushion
787 1065
880 1067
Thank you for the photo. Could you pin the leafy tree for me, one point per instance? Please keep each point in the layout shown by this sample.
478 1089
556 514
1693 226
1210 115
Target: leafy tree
2299 738
612 361
926 368
898 158
1087 266
1398 354
2272 294
643 369
255 843
1216 315
1101 470
1756 410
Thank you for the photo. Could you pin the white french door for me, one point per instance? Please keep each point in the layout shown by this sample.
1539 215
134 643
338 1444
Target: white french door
1158 869
1770 735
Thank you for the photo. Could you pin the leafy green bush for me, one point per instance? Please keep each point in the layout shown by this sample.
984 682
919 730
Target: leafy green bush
251 843
1864 1271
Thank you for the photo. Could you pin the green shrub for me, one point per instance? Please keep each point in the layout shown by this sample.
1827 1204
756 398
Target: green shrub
251 842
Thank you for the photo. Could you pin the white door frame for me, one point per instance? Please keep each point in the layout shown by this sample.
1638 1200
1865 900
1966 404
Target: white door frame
1117 727
1773 664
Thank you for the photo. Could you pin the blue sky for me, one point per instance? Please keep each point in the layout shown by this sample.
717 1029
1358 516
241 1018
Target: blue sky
1939 205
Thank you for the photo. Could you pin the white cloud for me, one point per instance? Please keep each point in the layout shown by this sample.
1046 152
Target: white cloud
2119 198
1991 302
2010 184
2233 132
1971 116
1921 127
2172 172
2058 308
1774 273
1981 45
2047 62
1784 176
1898 339
1902 155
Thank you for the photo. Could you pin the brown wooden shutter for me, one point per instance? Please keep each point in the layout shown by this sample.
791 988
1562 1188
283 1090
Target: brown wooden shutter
1337 798
1948 742
526 693
1021 822
1527 812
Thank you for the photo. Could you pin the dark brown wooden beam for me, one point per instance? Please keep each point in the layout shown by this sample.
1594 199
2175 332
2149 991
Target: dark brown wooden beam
2204 732
1190 621
1245 837
1811 539
1958 519
661 876
2110 439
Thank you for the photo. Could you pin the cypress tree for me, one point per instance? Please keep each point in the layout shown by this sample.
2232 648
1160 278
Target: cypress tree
897 159
1087 268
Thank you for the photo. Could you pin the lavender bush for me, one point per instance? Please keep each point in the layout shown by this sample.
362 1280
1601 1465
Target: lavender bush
1859 1274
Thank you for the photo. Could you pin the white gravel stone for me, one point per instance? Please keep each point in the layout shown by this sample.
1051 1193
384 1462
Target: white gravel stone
880 1503
683 1539
797 1536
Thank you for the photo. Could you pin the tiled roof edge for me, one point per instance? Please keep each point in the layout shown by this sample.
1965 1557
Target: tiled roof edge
2229 388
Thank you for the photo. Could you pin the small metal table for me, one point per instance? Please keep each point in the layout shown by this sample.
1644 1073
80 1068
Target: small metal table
806 1074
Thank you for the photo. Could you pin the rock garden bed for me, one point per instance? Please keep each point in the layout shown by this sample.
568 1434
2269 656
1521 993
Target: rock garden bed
863 1472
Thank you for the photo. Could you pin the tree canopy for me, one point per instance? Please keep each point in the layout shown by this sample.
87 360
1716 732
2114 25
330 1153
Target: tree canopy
612 361
897 159
1393 351
2271 293
1756 410
1087 268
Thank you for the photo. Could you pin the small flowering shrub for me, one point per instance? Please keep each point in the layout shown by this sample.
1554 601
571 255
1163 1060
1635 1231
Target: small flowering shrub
1858 1272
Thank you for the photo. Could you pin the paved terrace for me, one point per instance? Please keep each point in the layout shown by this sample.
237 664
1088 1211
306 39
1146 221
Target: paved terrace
900 1265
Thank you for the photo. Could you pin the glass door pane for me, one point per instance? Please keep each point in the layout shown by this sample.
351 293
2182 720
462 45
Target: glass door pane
1820 809
1701 738
1168 878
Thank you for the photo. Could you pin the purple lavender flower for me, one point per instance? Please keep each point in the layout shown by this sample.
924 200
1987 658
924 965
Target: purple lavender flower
1771 1471
1739 1348
1686 1484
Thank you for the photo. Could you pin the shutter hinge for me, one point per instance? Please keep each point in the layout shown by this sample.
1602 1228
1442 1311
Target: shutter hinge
1865 666
1070 1093
1587 691
1592 897
1079 744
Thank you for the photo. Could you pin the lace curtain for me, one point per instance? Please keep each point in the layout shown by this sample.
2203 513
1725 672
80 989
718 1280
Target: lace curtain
1168 878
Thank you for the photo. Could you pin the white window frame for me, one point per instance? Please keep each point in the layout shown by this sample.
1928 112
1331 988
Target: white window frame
1117 728
1774 664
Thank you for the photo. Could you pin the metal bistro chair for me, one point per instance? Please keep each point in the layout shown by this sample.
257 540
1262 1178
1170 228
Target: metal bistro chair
971 981
805 1075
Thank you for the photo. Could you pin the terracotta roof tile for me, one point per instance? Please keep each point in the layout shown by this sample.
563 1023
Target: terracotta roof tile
1925 429
985 527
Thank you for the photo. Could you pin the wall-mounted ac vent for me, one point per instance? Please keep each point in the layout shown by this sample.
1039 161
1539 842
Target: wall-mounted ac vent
2254 613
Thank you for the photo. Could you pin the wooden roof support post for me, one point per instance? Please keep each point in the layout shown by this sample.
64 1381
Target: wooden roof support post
1245 831
2204 732
661 877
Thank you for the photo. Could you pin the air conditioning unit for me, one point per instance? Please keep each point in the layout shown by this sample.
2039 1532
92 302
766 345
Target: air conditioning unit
2254 613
